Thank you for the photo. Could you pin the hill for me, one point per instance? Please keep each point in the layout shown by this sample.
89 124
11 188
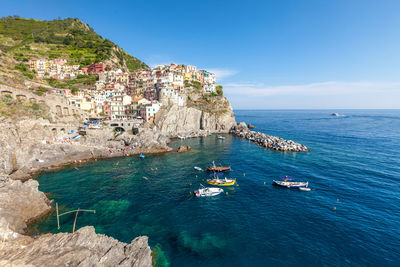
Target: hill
71 39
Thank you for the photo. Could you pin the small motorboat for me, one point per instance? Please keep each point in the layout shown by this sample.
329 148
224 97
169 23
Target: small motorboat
289 183
181 137
335 114
221 137
198 168
305 188
207 191
222 182
215 168
141 156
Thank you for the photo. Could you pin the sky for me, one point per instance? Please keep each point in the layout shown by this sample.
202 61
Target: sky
304 54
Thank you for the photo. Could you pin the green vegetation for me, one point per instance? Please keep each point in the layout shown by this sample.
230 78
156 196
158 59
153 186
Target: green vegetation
23 68
81 80
18 108
69 38
197 85
218 88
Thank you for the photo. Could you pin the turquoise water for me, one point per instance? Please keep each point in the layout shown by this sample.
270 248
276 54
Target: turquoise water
353 165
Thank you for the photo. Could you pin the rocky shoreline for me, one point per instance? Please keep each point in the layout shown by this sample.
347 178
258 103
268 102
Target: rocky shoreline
28 147
267 141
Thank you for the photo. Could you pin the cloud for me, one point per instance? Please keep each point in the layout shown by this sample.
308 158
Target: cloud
321 88
222 73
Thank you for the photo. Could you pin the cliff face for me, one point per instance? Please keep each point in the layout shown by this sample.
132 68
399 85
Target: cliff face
82 248
197 117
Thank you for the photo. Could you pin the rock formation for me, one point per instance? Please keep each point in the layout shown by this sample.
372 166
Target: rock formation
20 203
82 248
174 120
184 149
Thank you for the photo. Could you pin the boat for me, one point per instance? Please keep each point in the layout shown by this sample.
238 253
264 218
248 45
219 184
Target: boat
305 188
221 182
141 156
215 168
221 137
181 137
289 183
198 168
335 114
207 191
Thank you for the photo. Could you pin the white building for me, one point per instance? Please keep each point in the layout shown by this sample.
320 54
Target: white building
148 112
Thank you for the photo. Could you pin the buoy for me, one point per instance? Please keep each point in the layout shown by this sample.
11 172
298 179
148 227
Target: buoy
237 184
337 200
190 184
244 174
226 192
334 208
196 176
265 182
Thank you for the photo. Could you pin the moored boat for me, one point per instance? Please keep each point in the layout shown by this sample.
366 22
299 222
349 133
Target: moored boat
216 168
221 137
198 168
289 183
181 137
221 182
207 191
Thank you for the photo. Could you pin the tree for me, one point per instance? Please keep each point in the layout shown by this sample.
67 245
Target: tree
218 88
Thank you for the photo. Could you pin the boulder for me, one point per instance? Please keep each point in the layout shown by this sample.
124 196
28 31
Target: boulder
250 126
184 149
82 248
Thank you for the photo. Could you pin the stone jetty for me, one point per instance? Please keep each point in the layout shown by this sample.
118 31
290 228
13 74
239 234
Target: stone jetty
267 141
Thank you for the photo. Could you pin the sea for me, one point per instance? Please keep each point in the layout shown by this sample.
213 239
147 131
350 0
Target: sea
351 216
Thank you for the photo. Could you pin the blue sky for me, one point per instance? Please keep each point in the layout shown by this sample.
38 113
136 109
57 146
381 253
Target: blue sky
267 54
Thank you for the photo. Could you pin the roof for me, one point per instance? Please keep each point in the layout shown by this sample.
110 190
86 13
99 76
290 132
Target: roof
136 99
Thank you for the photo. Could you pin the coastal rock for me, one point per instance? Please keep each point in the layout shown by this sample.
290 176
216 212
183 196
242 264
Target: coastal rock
184 148
250 126
82 248
175 120
20 203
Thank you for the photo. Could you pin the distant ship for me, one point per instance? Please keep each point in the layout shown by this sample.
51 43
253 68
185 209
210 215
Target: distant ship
335 114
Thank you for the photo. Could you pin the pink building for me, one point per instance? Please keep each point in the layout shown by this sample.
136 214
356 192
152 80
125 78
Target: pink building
107 109
96 68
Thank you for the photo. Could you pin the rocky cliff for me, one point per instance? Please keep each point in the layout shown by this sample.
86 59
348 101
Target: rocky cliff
200 116
82 248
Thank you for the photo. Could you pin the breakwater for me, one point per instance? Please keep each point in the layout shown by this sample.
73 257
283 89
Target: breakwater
267 141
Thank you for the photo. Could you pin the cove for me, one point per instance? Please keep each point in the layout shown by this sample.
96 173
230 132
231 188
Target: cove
350 166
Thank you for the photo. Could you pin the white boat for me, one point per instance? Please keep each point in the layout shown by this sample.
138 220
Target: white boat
221 137
208 191
305 189
335 114
198 168
181 137
288 182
